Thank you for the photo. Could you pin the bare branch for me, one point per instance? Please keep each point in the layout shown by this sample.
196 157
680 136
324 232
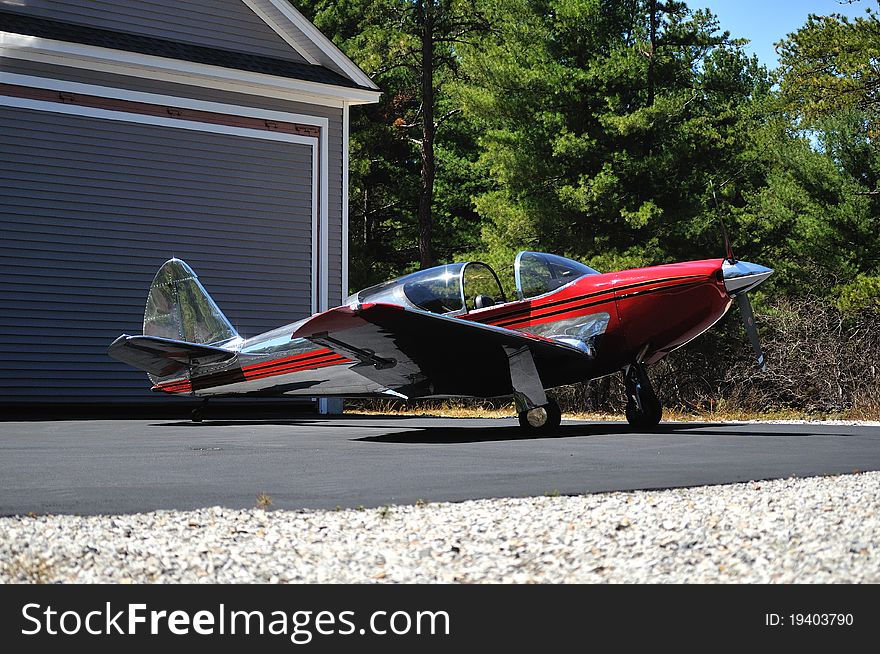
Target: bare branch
445 117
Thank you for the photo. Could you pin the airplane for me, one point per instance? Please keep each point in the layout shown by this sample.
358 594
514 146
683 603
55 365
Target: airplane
449 331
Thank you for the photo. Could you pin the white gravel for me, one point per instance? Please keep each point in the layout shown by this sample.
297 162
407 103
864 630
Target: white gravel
845 423
815 530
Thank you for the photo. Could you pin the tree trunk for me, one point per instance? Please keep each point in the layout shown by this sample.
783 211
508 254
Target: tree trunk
426 189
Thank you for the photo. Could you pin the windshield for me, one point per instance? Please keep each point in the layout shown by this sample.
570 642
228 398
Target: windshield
538 273
437 290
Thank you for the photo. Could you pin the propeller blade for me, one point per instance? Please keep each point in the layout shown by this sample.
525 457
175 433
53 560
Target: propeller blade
728 249
748 316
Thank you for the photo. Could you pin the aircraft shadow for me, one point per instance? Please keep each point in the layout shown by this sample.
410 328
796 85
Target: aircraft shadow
306 421
445 435
475 431
207 423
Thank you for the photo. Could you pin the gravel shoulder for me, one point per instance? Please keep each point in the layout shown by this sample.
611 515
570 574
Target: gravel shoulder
814 530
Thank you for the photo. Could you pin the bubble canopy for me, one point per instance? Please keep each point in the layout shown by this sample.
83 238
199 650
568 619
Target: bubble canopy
538 273
462 287
452 288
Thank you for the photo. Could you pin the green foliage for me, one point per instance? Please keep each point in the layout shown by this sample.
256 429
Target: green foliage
861 293
600 141
823 184
599 129
830 64
382 37
815 217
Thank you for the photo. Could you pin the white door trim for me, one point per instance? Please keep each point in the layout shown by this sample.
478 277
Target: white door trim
345 137
160 99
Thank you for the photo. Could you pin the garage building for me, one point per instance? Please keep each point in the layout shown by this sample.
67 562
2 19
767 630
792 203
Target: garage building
132 131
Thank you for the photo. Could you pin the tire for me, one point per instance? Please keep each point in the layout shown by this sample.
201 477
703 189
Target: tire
644 420
552 415
197 415
652 411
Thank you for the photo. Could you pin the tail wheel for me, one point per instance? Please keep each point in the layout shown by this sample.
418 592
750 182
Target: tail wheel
542 419
643 408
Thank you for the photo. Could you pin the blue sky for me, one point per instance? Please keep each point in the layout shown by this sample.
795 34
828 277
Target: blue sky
764 22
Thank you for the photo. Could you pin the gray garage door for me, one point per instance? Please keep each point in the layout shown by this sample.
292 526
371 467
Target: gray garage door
90 208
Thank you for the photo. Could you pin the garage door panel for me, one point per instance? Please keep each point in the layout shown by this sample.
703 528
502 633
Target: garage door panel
90 209
238 261
97 244
118 181
72 146
84 205
121 196
103 172
71 214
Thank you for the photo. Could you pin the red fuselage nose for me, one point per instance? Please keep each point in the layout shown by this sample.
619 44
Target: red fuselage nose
663 307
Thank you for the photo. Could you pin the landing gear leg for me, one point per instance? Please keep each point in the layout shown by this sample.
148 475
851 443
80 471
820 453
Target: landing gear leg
643 409
537 413
198 414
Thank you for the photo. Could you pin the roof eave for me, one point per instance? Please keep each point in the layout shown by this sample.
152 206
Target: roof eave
22 46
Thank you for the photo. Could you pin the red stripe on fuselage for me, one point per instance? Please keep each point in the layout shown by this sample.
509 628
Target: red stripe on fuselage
297 363
329 359
177 386
540 314
295 358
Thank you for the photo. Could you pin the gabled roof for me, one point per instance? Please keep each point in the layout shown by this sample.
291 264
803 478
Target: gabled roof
50 29
306 39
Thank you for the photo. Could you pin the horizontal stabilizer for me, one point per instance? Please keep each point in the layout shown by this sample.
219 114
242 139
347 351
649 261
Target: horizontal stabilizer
164 356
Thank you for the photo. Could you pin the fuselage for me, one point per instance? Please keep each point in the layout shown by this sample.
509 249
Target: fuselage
641 313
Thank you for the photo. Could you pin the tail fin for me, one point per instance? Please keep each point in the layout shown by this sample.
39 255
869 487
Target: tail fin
179 308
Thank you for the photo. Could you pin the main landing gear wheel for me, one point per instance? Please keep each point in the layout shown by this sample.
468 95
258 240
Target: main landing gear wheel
543 419
198 414
643 409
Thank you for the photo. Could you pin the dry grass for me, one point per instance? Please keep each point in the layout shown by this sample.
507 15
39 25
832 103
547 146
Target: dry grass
27 569
822 366
464 409
264 501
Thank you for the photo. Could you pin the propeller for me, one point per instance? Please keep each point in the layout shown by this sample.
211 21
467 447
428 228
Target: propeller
739 278
748 316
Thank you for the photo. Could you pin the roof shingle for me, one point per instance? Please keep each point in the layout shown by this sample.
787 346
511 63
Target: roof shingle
72 33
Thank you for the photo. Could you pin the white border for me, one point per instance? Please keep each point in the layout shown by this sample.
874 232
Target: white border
345 137
319 159
323 296
258 7
159 121
62 53
319 266
326 46
159 99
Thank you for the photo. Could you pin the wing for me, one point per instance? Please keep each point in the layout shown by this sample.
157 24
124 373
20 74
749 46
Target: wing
164 356
419 353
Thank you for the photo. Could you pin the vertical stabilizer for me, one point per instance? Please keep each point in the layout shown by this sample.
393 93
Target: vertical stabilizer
179 308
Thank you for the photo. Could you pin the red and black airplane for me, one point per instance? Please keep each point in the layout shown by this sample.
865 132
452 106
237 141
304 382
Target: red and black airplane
449 331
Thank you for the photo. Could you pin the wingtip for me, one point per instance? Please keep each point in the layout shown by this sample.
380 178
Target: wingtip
119 340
